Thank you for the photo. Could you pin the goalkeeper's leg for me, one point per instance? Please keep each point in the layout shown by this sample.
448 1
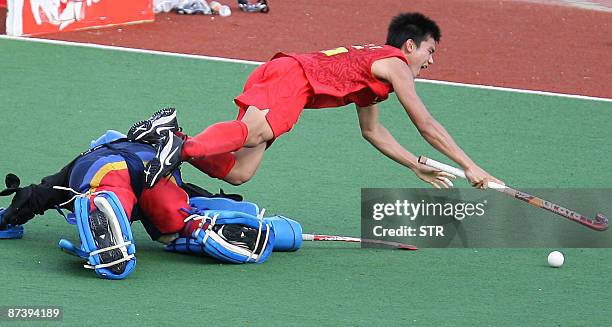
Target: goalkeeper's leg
162 205
103 217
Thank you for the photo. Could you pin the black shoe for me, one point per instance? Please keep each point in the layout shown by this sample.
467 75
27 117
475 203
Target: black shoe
104 238
167 159
241 236
152 129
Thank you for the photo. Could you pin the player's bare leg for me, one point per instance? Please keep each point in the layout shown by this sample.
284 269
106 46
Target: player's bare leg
249 157
247 162
259 131
230 136
240 147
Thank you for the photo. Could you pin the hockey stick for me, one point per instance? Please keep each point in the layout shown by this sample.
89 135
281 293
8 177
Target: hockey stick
318 237
600 223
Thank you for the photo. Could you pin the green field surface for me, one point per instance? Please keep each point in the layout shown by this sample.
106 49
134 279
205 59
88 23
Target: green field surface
55 99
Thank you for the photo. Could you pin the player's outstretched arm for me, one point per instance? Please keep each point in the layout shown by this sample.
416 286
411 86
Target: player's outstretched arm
396 72
383 141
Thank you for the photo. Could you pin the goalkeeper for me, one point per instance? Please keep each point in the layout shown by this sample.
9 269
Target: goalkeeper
103 187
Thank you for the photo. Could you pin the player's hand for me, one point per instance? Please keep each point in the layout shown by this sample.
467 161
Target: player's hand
437 178
479 178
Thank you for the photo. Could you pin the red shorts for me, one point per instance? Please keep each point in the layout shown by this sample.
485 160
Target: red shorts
280 86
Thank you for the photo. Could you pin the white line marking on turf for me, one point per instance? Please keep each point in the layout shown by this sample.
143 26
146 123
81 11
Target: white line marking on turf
601 5
249 62
509 89
124 49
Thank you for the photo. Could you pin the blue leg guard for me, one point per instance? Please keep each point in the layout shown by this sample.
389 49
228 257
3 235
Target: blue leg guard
106 237
202 203
228 236
288 233
10 231
237 223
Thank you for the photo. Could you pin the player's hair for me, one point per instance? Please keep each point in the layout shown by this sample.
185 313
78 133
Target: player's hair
415 26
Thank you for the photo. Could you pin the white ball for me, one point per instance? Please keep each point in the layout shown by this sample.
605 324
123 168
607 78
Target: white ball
556 259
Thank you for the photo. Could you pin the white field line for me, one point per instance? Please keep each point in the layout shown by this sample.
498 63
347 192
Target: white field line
509 89
248 62
600 5
116 48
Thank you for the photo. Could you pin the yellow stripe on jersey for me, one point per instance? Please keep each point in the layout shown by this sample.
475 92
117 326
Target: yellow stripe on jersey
335 51
111 166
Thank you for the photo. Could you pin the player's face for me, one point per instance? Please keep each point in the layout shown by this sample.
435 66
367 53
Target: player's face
422 56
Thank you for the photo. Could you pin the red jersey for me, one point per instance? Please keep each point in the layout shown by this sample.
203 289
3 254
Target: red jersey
344 75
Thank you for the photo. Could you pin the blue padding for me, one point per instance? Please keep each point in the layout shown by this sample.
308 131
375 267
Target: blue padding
71 219
10 231
88 244
108 137
288 233
202 203
201 241
70 248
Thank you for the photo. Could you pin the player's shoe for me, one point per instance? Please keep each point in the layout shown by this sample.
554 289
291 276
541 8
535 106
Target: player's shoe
194 7
103 236
152 129
167 158
241 236
258 6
